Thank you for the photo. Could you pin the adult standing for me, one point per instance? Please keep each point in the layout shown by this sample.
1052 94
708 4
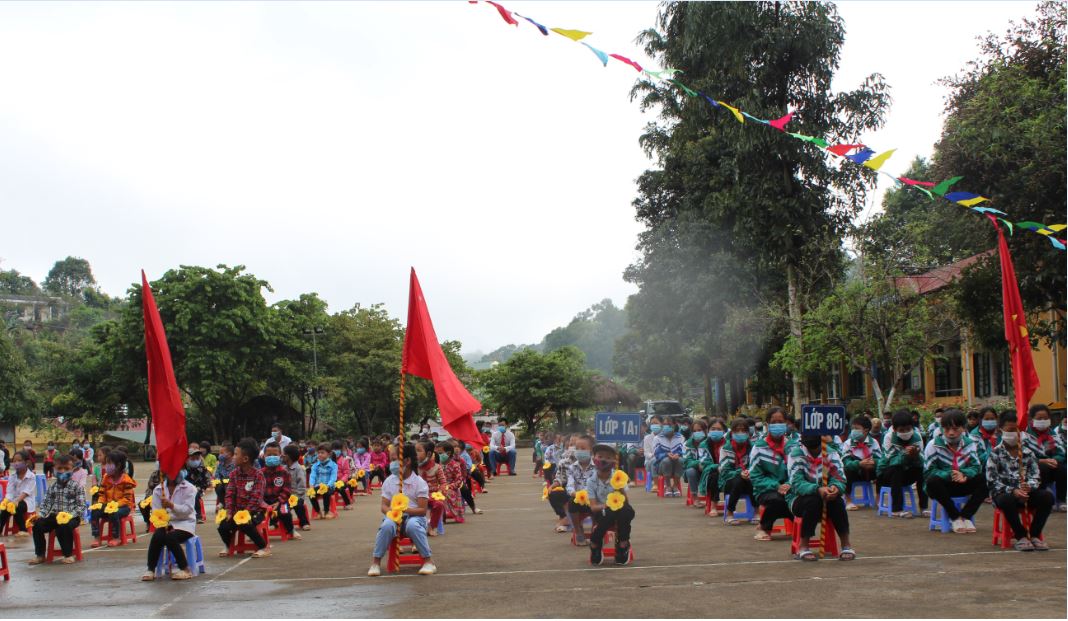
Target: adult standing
502 447
277 437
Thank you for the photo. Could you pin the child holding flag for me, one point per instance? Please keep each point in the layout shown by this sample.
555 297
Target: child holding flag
1010 492
174 516
809 496
407 514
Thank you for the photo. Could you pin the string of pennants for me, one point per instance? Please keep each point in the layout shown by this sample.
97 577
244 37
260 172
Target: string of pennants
859 154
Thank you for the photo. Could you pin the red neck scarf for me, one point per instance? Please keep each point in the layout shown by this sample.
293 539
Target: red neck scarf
1045 440
779 448
739 454
713 448
989 437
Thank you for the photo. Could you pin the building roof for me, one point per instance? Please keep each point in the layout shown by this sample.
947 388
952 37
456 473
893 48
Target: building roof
937 278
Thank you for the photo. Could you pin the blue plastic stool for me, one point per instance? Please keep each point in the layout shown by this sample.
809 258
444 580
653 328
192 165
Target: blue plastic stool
867 495
908 504
748 514
441 526
88 514
649 482
943 522
194 556
42 487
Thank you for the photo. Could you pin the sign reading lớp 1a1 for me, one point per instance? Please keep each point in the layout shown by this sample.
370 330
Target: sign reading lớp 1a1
823 420
618 427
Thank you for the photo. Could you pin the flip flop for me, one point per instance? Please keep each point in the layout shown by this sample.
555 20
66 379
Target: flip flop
734 522
561 529
807 556
762 536
847 554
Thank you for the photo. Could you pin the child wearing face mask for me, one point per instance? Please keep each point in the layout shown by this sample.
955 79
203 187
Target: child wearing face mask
222 471
404 479
649 445
1048 449
244 493
63 496
455 479
115 486
986 434
198 476
860 454
808 496
49 459
431 472
277 489
344 472
178 497
605 460
21 492
298 483
734 479
578 479
553 448
670 447
901 463
767 469
558 496
710 458
361 460
953 467
79 474
322 472
1011 493
379 462
936 425
693 459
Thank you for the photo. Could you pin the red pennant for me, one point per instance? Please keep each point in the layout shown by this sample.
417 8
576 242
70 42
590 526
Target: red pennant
164 400
780 123
626 60
506 15
842 149
907 181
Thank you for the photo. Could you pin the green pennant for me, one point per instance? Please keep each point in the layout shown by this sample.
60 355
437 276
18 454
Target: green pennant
943 187
690 92
1008 224
819 142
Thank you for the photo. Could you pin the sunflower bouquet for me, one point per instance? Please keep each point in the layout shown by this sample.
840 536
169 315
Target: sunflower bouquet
160 518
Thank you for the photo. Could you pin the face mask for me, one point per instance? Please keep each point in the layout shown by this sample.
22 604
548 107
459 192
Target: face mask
1010 438
76 445
583 456
276 434
1040 425
740 437
361 451
272 461
424 462
109 469
856 435
502 428
777 430
715 435
51 447
324 459
63 477
194 463
394 467
904 435
654 428
443 458
952 441
604 465
182 474
989 425
698 435
337 452
667 430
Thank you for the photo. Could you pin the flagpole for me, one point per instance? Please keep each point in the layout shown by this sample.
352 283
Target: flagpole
403 374
823 519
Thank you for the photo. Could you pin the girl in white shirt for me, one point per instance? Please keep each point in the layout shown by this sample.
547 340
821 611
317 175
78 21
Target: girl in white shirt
22 492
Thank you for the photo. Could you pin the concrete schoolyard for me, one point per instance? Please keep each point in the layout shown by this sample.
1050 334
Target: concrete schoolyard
508 562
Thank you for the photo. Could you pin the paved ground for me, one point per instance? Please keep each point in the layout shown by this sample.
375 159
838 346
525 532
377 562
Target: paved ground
509 563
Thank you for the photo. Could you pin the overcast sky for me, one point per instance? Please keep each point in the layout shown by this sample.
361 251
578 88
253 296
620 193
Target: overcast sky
328 147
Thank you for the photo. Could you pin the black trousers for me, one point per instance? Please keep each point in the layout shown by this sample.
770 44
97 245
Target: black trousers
173 540
621 519
228 528
323 509
465 493
1054 475
377 472
860 474
346 495
478 476
286 519
558 500
198 503
549 473
736 488
19 515
899 477
775 509
301 510
64 533
810 509
49 468
944 490
712 483
1040 501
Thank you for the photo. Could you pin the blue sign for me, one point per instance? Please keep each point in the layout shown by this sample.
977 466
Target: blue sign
823 420
618 427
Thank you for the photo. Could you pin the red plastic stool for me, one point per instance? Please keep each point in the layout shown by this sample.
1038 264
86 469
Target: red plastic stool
691 497
660 486
827 527
333 507
278 531
127 530
497 469
476 488
709 504
609 551
449 515
1003 535
240 545
639 476
8 526
787 527
4 570
54 551
395 560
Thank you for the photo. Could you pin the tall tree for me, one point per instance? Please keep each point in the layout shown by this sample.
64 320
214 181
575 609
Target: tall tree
18 396
69 277
530 386
11 281
594 331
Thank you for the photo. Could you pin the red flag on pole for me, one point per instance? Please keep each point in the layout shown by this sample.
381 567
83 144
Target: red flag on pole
424 358
164 401
1024 377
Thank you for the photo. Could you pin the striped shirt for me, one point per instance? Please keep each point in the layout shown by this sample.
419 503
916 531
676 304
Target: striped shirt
1046 446
940 459
806 472
664 445
868 447
578 477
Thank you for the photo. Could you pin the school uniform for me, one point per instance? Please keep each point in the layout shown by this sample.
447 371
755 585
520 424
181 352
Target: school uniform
767 471
852 453
733 458
940 459
666 445
1003 477
709 454
986 440
1047 445
897 469
806 474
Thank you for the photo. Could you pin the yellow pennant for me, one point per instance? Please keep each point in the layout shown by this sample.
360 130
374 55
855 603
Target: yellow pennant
877 162
734 111
574 35
973 201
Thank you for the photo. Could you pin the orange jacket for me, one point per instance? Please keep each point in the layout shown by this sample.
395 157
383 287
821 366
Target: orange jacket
121 491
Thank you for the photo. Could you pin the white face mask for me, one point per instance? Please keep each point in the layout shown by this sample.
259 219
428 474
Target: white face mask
1040 425
1010 438
904 435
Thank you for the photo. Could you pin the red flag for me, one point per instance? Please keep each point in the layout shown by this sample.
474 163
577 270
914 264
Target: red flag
1024 377
424 358
780 123
164 401
506 15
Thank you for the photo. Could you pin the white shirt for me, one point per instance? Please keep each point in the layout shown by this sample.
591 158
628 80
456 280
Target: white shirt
649 445
26 485
183 515
283 442
507 444
414 487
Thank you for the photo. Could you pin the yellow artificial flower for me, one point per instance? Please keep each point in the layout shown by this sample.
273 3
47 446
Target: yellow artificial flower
395 515
322 489
582 497
545 493
311 492
242 517
361 473
615 501
546 466
485 449
220 516
438 496
215 482
557 488
4 506
94 490
473 466
619 479
146 503
30 520
160 518
339 484
399 502
111 507
63 517
353 483
95 506
225 481
293 500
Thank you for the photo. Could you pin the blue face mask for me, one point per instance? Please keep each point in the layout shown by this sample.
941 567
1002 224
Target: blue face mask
194 463
989 425
444 458
63 477
582 455
698 435
272 461
654 428
856 435
337 452
777 430
360 450
740 437
502 428
394 467
716 435
667 430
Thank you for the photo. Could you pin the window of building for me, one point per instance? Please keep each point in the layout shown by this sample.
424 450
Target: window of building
835 383
913 380
947 372
981 373
1001 374
856 385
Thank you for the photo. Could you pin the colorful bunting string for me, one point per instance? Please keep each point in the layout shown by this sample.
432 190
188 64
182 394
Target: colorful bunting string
857 153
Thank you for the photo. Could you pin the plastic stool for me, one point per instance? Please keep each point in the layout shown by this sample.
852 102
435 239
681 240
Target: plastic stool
691 497
639 476
660 486
239 545
586 520
867 495
826 527
42 487
908 498
5 571
194 557
608 546
7 527
709 504
395 560
88 514
449 515
942 521
748 514
278 531
127 530
787 527
54 551
1003 535
333 507
497 469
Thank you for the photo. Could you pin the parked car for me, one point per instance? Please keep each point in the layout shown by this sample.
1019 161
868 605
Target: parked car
662 408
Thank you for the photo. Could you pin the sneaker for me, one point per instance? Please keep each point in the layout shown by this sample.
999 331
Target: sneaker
969 526
261 553
1039 545
22 533
622 555
851 507
296 535
181 574
959 526
428 569
1062 507
37 560
479 511
1023 545
348 507
148 576
596 556
907 515
375 570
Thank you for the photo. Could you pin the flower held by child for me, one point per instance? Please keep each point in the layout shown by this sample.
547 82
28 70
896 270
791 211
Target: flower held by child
160 518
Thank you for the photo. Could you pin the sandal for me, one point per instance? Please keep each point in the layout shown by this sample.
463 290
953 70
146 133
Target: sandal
734 522
807 555
847 554
561 529
762 536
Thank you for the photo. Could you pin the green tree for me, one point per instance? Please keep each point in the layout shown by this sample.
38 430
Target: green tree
18 395
11 281
530 386
294 376
69 277
594 331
